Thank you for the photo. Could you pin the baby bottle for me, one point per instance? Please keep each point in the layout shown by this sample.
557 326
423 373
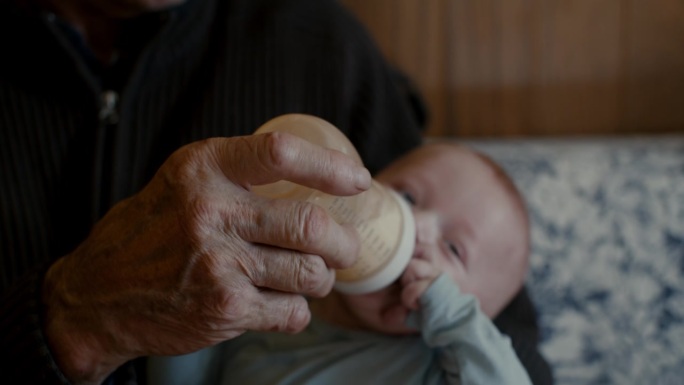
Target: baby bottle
382 218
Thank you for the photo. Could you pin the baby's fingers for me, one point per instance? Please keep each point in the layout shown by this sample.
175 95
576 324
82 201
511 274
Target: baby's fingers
418 269
410 295
417 277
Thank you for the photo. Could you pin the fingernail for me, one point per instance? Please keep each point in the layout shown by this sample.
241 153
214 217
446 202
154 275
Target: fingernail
362 179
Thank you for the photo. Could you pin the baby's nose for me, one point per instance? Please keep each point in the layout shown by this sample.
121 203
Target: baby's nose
427 227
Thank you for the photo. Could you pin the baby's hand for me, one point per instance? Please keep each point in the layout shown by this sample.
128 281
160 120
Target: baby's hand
418 276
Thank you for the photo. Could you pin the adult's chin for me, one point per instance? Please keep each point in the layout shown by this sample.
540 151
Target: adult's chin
155 5
122 9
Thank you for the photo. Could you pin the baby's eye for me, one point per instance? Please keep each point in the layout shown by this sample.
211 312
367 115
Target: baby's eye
409 198
453 250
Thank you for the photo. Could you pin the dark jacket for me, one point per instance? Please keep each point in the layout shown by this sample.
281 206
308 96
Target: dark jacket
76 138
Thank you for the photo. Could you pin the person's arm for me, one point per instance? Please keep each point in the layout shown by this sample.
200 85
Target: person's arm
518 320
24 356
79 311
182 265
470 348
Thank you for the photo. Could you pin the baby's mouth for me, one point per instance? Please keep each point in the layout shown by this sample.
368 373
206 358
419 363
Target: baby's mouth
393 294
394 289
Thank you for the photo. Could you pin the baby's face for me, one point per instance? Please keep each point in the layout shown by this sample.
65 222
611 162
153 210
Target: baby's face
467 226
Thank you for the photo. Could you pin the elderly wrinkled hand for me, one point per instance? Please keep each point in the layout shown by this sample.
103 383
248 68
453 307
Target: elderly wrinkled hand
195 258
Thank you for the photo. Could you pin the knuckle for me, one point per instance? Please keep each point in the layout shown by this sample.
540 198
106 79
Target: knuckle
312 223
279 149
297 319
184 162
231 306
311 275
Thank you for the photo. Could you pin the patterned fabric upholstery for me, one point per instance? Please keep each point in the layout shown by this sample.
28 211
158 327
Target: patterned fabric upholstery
607 265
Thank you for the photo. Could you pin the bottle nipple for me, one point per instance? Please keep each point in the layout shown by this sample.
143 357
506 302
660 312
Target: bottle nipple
382 218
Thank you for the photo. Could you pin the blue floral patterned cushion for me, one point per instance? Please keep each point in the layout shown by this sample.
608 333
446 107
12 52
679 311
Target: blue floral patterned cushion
607 265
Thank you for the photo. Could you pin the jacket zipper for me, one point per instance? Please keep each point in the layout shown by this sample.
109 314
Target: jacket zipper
109 114
108 117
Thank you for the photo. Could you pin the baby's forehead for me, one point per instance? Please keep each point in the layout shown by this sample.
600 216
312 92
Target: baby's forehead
464 168
440 150
447 165
447 155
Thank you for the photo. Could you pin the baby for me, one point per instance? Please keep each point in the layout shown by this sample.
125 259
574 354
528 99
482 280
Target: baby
433 325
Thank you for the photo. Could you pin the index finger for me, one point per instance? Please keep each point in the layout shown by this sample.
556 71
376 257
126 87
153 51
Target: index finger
266 158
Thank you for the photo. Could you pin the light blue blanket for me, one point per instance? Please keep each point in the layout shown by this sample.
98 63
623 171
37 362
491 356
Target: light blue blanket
607 266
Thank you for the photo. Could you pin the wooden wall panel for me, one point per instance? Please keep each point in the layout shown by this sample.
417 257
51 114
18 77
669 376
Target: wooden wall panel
654 65
538 67
578 76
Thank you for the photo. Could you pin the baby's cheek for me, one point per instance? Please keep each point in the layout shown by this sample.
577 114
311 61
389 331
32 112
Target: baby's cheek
460 276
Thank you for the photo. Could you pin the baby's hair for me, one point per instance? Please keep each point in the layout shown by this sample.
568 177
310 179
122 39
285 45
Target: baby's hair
517 197
506 181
